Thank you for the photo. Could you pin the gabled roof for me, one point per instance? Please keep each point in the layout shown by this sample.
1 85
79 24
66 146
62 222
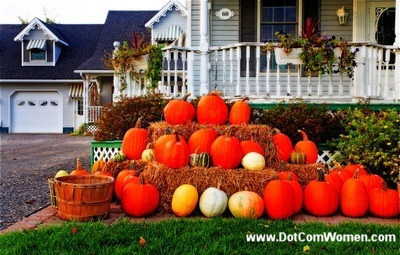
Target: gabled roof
168 7
119 26
82 41
48 29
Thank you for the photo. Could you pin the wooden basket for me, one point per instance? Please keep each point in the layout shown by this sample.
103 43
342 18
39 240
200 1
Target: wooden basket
83 197
53 200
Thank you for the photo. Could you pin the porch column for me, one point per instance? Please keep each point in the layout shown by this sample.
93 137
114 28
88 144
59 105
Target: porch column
204 86
397 44
85 96
359 35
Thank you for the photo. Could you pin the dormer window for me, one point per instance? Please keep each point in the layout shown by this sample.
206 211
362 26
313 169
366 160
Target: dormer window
37 49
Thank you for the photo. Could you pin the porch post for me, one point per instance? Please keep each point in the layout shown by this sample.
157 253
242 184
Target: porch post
85 96
397 44
359 10
204 86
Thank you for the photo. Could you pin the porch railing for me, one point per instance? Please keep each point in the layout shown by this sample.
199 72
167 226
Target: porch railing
93 113
244 69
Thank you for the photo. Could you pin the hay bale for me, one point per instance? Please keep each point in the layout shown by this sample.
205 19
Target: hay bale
305 173
116 167
261 133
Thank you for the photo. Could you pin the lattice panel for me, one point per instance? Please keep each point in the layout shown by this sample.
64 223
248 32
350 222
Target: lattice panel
109 153
326 156
91 128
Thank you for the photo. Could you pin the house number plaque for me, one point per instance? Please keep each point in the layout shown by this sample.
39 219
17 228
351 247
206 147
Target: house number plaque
224 14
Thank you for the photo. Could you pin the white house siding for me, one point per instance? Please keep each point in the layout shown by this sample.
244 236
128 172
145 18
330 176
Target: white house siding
172 18
8 89
227 32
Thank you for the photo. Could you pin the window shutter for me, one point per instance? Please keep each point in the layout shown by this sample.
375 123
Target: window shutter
248 33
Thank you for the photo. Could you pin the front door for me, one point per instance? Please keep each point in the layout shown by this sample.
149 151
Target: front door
382 22
78 113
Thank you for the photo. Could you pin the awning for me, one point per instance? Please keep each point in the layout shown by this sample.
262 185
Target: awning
171 34
180 41
36 44
76 90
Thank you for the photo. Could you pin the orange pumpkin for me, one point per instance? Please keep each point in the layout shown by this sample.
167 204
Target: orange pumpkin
79 170
159 146
212 109
283 145
333 178
371 181
226 151
384 202
284 175
140 199
279 199
343 173
252 146
201 140
246 204
320 197
297 193
179 111
176 153
135 141
308 148
240 113
124 177
352 167
354 197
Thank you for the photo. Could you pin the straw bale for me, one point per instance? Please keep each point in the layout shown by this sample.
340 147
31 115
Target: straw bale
116 167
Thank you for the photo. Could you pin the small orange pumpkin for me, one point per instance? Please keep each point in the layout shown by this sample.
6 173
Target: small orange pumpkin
308 148
240 112
212 109
79 170
279 199
179 111
226 151
384 202
200 141
135 141
176 152
354 197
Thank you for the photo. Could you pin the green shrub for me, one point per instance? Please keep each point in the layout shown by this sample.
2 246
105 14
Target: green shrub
320 124
117 118
372 139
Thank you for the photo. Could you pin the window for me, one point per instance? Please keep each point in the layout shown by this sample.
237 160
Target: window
79 107
38 55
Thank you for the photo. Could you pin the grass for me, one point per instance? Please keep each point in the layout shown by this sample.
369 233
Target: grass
188 236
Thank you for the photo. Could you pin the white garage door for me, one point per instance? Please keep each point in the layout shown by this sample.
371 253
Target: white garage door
36 112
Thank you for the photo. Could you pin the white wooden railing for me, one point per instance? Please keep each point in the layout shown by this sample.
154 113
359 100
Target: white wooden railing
373 77
93 113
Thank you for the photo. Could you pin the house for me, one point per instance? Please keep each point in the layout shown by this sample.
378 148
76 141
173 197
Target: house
225 38
51 75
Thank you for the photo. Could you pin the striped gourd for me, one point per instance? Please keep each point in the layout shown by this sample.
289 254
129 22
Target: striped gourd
201 160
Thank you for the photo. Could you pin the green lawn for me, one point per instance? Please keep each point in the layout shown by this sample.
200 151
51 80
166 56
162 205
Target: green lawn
188 236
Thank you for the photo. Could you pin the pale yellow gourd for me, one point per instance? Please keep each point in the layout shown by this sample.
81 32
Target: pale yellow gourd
253 161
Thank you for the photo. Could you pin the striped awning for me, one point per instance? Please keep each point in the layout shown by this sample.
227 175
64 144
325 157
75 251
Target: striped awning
76 90
36 44
171 34
180 41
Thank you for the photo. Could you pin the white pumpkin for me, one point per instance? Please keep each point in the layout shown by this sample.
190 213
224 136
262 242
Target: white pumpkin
213 202
253 161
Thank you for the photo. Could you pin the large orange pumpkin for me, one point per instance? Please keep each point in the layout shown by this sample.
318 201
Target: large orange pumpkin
159 146
384 202
124 177
252 146
212 109
226 151
240 113
246 204
140 199
352 167
176 153
135 141
320 197
297 193
201 140
308 148
354 197
333 178
283 145
279 199
179 111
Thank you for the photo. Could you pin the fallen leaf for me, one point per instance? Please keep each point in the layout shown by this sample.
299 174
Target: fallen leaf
142 241
74 230
306 248
373 250
30 201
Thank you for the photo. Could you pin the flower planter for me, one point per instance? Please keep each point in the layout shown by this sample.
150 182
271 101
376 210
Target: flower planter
338 52
292 58
140 64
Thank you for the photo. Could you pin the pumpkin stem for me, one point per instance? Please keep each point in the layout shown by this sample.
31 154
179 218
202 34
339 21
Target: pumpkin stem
186 97
356 173
326 168
337 165
229 131
290 177
245 99
351 159
138 172
303 134
141 179
139 122
384 186
149 146
321 175
215 93
276 131
219 184
177 136
78 164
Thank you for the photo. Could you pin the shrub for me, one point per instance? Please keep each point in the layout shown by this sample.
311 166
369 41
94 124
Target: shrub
320 124
117 118
372 139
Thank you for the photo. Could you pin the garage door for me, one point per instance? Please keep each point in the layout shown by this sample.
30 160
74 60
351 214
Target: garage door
36 112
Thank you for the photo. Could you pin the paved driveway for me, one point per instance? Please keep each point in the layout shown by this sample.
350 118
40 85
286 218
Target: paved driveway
27 160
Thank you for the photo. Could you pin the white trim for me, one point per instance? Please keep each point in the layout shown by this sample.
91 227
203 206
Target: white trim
54 53
372 17
168 7
37 22
189 24
36 81
95 71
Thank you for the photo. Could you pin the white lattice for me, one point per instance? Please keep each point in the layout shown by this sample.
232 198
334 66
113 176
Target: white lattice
91 128
326 156
108 153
